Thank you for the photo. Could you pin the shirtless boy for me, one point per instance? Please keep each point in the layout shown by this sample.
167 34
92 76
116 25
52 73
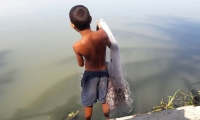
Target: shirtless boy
91 48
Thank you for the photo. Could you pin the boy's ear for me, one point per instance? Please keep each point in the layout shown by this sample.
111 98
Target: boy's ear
73 26
90 19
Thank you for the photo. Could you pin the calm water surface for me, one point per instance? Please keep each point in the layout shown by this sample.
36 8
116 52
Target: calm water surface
39 75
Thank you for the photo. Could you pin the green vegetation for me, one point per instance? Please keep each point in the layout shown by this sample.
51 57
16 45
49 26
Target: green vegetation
180 98
72 115
164 105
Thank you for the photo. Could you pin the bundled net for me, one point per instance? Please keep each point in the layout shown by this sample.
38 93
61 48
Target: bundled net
119 96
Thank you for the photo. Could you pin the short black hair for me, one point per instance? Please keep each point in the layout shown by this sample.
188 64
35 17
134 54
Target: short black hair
80 17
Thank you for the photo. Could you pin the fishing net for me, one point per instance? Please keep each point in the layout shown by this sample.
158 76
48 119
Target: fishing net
119 96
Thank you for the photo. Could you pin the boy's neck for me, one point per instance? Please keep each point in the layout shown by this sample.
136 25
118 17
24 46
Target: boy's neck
85 32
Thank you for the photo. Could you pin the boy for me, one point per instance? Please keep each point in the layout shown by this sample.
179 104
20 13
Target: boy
92 47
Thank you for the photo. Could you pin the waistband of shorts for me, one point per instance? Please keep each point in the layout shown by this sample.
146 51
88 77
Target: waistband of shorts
88 71
97 73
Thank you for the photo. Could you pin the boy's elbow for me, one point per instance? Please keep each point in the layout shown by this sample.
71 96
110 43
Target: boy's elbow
81 65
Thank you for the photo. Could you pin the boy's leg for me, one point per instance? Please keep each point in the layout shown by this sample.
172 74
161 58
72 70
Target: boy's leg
105 108
89 93
103 88
88 112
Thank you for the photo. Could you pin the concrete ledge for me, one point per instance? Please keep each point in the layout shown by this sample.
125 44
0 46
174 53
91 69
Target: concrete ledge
182 113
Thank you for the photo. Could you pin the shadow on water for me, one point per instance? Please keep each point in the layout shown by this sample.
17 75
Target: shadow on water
6 76
3 57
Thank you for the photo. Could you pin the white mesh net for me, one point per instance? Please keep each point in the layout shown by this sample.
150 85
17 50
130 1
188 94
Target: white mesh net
119 94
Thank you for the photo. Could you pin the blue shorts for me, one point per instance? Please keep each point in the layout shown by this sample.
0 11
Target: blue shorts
94 86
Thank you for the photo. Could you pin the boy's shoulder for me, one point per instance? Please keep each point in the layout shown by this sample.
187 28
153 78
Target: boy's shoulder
100 34
77 45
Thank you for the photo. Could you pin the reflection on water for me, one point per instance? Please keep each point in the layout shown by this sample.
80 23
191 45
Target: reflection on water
167 69
43 104
39 75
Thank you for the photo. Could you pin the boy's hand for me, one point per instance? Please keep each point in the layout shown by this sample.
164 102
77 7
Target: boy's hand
98 24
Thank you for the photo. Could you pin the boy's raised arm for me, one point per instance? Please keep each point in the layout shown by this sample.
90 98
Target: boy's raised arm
107 38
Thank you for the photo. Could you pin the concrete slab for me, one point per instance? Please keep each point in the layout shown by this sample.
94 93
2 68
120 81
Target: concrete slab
182 113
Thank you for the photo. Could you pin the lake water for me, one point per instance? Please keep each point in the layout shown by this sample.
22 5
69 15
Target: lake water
39 75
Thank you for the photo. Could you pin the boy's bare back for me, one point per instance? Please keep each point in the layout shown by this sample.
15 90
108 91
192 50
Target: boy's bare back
92 47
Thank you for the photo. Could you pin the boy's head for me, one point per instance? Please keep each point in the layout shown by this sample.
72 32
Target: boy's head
80 17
